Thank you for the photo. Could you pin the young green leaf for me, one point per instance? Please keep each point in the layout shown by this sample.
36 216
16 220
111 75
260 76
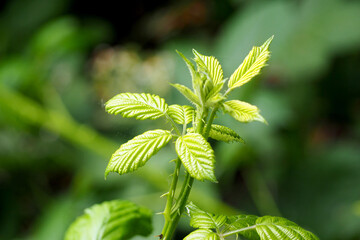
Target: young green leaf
243 222
211 66
243 111
222 133
225 134
202 234
136 152
277 228
251 66
181 114
141 106
202 219
187 93
111 221
197 156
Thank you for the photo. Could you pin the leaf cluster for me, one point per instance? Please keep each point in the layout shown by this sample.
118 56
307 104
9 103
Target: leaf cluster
215 227
191 143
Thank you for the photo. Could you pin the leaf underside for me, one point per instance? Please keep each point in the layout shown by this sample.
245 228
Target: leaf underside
251 66
243 111
197 156
136 152
111 220
140 106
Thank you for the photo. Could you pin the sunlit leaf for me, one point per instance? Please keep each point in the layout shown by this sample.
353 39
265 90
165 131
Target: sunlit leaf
181 114
251 66
141 106
243 111
187 93
136 152
277 228
197 156
211 66
202 219
114 220
243 222
202 234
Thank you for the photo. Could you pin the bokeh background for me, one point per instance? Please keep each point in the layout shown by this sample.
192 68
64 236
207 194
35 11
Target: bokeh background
60 60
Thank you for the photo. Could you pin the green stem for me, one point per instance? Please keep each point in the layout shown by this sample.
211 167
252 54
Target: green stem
211 119
178 209
176 128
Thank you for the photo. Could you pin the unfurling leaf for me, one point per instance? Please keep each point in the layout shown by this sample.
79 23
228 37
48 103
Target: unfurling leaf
202 219
136 152
114 220
197 156
187 93
243 111
277 228
141 106
202 234
251 66
211 66
181 114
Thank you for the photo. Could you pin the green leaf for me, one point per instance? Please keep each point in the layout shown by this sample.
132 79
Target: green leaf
141 106
225 134
114 220
221 133
202 219
211 66
241 222
197 156
277 228
136 152
243 111
202 234
251 66
181 114
187 93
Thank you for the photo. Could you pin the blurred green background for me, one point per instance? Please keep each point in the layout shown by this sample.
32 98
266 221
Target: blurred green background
60 60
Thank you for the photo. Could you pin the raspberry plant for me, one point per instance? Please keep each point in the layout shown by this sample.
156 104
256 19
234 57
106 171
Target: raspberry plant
190 127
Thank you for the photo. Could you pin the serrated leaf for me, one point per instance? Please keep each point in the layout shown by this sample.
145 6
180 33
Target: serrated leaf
221 133
225 134
251 66
141 106
113 220
202 219
243 221
181 114
197 156
187 93
136 152
277 228
202 234
211 66
243 111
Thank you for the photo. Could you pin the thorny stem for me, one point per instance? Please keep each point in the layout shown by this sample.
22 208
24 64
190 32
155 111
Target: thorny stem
172 217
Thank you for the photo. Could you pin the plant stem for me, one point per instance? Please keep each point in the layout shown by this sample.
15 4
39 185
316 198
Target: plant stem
172 218
211 119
